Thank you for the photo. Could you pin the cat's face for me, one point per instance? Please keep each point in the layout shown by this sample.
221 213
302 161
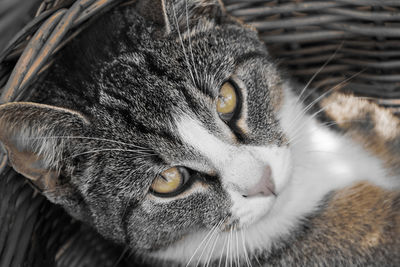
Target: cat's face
184 136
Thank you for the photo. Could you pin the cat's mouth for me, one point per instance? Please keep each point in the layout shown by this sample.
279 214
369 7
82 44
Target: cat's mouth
250 210
266 186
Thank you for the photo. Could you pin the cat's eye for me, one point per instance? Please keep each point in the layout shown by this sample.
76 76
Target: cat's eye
170 181
227 101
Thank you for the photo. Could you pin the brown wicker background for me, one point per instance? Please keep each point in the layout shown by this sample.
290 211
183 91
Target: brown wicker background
305 34
357 41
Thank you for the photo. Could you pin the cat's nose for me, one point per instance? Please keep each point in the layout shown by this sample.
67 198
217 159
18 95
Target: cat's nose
264 186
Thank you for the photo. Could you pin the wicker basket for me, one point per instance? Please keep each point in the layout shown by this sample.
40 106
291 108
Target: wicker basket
351 43
359 39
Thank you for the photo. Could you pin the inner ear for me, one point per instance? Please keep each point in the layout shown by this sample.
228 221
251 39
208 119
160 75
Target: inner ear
32 136
33 167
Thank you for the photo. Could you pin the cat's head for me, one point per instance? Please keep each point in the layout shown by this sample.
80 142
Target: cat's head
179 138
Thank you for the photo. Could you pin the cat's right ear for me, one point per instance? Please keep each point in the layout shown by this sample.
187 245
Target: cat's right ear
36 138
155 11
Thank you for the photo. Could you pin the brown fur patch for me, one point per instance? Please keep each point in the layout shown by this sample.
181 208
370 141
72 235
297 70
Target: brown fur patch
356 226
372 126
360 213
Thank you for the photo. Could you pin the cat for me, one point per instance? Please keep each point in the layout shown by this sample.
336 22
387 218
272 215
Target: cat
167 127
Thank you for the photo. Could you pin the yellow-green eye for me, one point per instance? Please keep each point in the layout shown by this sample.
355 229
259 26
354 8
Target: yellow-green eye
227 101
170 181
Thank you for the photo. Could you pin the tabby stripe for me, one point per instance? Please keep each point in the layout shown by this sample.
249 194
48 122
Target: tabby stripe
245 57
154 67
118 97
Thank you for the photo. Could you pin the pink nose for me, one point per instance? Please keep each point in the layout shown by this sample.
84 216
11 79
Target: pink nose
264 186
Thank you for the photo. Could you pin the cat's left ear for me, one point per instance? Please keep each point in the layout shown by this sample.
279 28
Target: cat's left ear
173 15
186 13
156 12
33 136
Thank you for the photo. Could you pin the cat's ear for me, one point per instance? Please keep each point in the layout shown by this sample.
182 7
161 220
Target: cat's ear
32 135
174 15
184 14
155 11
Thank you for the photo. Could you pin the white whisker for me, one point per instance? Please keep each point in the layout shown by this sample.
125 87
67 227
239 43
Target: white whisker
230 247
256 257
183 46
318 71
222 251
88 138
190 41
217 236
215 228
237 248
308 107
201 243
140 154
245 250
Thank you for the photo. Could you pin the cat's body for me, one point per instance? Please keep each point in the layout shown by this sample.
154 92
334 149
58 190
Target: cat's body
136 96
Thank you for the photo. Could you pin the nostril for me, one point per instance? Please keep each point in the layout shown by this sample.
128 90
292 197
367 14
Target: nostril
264 185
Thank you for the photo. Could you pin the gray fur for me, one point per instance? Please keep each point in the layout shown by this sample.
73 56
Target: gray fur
130 75
143 77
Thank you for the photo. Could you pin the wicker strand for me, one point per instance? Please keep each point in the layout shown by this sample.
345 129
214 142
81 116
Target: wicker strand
46 42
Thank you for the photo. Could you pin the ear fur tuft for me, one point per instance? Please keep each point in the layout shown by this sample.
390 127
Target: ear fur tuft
32 136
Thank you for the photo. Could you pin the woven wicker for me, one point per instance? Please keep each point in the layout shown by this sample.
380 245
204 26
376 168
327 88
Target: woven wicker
363 36
351 43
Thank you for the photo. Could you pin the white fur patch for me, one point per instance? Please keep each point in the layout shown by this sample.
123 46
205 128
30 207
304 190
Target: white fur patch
239 168
319 161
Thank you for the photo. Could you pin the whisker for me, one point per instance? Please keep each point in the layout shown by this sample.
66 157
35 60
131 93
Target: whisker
222 251
244 248
237 248
299 100
311 105
141 154
338 86
190 41
229 248
183 46
318 71
214 230
256 258
201 243
89 138
116 263
308 107
332 123
217 236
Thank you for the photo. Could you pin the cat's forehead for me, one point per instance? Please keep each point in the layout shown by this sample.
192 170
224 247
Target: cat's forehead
154 83
169 75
